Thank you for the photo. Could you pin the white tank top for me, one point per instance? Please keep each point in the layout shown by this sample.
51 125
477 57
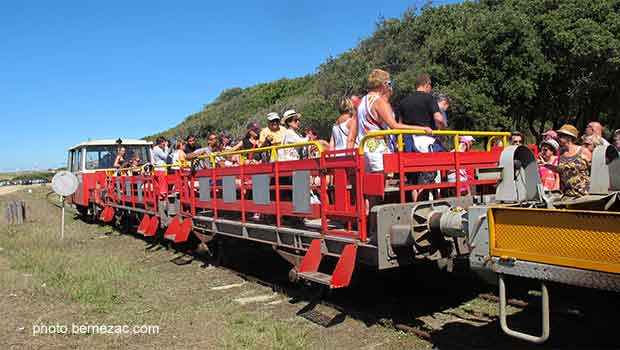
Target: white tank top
340 133
366 121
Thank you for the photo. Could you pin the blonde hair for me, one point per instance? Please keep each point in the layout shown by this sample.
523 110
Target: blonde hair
347 105
376 78
596 140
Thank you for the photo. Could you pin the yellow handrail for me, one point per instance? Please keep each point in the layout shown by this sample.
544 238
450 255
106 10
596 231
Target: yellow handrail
454 133
272 149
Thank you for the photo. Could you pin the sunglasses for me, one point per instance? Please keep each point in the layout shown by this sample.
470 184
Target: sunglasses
296 119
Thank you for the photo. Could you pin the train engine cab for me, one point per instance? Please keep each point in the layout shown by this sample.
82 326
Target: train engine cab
85 158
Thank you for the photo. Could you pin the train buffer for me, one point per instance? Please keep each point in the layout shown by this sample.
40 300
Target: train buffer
341 277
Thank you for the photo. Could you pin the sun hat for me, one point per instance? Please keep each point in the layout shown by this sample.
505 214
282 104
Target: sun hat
288 115
551 143
273 116
569 130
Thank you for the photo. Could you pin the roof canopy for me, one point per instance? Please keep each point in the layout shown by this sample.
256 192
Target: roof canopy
126 142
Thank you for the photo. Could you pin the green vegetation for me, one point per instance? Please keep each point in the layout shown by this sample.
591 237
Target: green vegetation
514 64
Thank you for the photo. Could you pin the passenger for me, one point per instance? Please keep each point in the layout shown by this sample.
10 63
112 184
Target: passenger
292 122
592 141
465 145
134 165
191 145
548 156
225 141
574 163
342 128
160 152
617 139
312 151
443 103
251 141
271 135
375 114
596 128
421 109
119 161
516 138
178 156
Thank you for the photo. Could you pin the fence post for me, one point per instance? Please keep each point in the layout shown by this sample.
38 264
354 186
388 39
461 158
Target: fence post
15 212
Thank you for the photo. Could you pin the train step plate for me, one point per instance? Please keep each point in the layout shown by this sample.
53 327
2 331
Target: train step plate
318 277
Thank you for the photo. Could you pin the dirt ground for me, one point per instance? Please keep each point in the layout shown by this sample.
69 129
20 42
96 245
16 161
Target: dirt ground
167 299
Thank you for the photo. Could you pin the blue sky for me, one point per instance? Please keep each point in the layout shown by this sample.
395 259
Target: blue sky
74 70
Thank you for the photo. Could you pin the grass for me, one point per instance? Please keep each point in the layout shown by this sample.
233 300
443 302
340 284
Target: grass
250 330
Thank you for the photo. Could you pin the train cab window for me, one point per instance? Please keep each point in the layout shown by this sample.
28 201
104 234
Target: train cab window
102 157
76 156
70 161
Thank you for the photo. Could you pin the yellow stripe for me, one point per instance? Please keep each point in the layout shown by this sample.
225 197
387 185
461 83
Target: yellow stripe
573 238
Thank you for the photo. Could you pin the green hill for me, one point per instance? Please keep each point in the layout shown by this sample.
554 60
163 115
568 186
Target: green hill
516 64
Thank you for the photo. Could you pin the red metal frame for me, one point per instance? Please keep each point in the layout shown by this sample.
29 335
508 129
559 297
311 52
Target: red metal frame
343 189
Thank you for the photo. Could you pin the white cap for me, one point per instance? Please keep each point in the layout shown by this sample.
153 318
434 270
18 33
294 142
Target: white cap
273 116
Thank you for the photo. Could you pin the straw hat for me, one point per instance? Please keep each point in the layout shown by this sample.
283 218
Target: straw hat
569 130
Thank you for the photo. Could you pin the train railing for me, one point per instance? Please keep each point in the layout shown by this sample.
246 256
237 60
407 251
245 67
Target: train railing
273 189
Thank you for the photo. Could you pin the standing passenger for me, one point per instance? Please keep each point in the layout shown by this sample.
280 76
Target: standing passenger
596 128
374 114
342 128
119 161
574 163
160 153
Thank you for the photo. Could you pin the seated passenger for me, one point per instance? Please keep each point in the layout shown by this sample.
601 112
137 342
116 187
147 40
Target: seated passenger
119 161
547 156
251 141
616 139
573 165
134 165
465 145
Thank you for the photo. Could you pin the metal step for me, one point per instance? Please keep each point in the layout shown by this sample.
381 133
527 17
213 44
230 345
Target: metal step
318 277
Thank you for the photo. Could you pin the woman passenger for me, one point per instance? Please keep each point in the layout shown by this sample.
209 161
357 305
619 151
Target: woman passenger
178 156
547 156
342 128
574 164
292 123
119 161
